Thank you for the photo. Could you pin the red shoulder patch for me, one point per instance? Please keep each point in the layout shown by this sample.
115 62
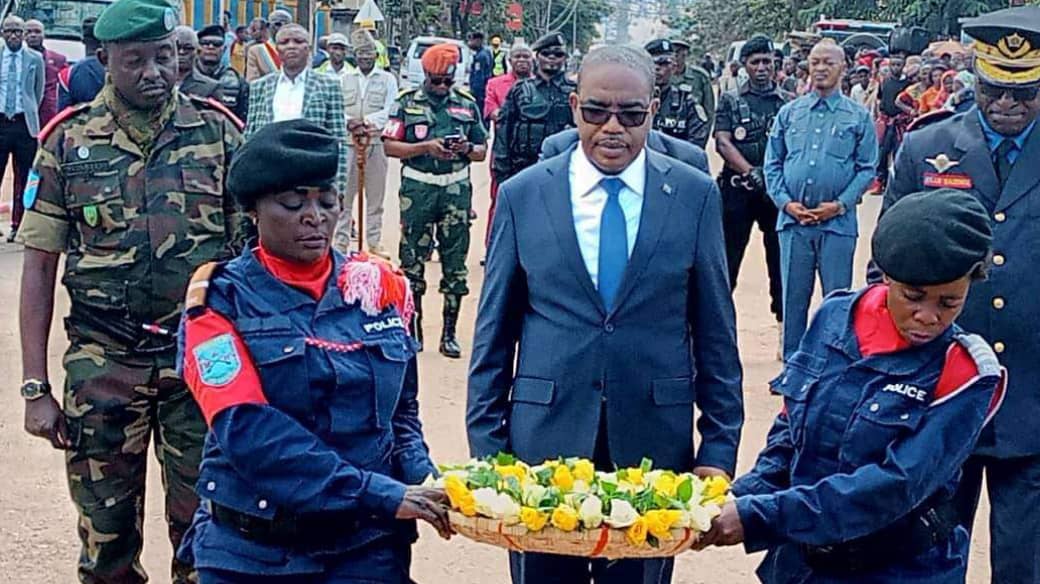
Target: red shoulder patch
998 396
64 75
215 104
218 368
959 372
59 118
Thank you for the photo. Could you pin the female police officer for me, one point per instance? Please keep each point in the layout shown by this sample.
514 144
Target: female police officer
883 402
304 370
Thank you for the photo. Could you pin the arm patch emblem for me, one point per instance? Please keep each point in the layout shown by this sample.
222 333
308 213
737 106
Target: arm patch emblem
218 359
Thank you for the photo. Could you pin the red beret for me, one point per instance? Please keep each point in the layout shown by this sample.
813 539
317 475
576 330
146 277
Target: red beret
440 59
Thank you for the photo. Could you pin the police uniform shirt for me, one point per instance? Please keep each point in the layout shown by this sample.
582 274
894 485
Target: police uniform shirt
728 118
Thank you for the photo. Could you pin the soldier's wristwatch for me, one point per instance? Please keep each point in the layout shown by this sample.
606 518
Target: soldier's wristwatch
33 389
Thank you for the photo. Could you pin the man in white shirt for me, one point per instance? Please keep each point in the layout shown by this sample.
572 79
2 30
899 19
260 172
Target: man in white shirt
294 91
605 317
368 93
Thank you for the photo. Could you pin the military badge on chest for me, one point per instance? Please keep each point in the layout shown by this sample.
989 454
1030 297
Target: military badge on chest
421 131
740 133
942 178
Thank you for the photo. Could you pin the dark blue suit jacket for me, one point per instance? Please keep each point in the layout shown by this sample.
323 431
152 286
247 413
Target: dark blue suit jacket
691 154
1013 276
668 344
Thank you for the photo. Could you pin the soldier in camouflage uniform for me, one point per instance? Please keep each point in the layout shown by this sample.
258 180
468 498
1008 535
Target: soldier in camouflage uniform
130 188
697 82
535 108
677 115
436 131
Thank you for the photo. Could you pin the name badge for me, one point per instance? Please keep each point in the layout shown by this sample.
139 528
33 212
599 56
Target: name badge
935 180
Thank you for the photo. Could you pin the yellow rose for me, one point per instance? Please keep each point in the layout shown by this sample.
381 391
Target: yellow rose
660 522
636 533
533 519
563 478
512 470
666 485
565 518
460 496
635 476
715 489
584 471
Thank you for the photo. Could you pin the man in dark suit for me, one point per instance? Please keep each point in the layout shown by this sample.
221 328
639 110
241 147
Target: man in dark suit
691 154
21 92
991 151
607 286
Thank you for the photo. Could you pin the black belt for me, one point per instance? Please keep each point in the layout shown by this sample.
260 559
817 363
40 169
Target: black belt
287 531
12 119
929 525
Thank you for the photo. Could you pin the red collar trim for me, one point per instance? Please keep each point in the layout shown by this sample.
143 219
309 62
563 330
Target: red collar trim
873 324
309 278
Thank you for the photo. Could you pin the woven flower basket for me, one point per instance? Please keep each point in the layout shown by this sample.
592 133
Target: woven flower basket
598 543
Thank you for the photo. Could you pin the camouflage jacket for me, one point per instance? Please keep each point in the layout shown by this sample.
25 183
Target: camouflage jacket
133 226
416 117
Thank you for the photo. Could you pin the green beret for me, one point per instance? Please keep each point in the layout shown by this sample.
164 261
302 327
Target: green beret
283 156
933 237
136 20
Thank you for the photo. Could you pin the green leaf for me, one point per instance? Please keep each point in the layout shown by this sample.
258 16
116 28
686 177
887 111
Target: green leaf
505 459
544 476
685 491
646 465
609 488
652 541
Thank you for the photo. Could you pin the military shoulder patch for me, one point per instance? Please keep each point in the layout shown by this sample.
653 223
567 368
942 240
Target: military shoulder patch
198 287
218 360
32 187
58 119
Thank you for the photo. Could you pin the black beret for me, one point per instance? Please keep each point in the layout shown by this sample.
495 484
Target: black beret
213 30
933 237
282 156
756 44
549 41
658 47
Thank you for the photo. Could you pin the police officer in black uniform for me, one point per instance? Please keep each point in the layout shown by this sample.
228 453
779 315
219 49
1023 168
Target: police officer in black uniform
233 89
535 108
741 132
678 115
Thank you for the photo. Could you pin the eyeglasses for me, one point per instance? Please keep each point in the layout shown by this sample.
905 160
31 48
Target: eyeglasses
1017 93
553 54
599 116
215 43
13 31
446 81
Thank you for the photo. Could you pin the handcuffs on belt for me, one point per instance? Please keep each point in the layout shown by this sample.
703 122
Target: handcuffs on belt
753 180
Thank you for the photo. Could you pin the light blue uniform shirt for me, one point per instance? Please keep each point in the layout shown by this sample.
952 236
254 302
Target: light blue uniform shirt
994 138
821 150
588 199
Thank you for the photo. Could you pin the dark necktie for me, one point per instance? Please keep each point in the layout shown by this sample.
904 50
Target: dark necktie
12 85
613 242
1001 160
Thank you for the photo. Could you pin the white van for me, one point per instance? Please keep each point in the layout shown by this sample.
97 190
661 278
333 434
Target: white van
411 69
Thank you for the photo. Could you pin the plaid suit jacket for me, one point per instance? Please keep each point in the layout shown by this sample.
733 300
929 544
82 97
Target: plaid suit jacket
322 105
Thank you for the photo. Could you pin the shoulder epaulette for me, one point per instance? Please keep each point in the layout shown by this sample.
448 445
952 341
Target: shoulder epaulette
198 287
968 359
215 104
930 118
405 92
464 93
61 117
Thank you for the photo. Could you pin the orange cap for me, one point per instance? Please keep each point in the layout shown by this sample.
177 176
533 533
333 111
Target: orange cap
440 59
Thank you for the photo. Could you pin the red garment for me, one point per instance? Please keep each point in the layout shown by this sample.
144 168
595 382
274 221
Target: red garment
310 278
496 91
875 329
53 64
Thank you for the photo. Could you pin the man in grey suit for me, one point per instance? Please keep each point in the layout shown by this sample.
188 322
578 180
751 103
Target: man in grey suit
691 154
605 316
21 91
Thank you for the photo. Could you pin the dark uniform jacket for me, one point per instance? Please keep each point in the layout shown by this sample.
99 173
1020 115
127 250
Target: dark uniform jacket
1003 309
535 108
747 116
232 90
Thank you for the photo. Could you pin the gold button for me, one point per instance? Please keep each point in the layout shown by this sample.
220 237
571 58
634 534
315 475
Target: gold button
998 260
1000 217
998 347
998 303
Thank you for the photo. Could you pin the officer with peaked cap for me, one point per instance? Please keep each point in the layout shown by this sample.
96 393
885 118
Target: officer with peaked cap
691 79
535 108
677 115
990 152
130 188
883 402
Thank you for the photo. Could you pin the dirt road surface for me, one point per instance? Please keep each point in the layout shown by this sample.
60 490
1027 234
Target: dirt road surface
38 543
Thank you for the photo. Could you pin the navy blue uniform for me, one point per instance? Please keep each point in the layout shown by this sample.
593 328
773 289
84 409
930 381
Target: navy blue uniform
862 443
313 426
957 153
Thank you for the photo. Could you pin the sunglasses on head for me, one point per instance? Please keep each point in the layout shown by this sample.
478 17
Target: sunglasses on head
1016 93
445 81
599 116
557 54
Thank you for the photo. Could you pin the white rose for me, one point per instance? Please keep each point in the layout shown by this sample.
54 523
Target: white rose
486 500
698 518
507 509
580 487
622 514
591 512
533 494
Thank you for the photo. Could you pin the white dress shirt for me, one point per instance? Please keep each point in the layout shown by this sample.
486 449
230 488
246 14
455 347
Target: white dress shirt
588 200
379 118
287 103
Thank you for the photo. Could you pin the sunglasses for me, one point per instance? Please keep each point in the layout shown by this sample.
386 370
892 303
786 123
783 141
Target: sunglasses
553 54
1017 93
599 116
446 81
215 43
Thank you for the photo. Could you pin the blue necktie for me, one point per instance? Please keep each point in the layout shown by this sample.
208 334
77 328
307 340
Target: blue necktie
12 85
613 242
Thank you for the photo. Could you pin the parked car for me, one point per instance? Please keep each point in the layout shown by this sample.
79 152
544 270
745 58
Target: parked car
412 72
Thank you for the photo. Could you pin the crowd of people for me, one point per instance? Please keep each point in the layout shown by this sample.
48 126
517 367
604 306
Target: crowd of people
220 305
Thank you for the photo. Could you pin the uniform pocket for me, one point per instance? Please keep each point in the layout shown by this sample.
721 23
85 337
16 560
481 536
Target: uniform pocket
533 391
279 356
878 423
100 214
842 142
795 384
677 391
